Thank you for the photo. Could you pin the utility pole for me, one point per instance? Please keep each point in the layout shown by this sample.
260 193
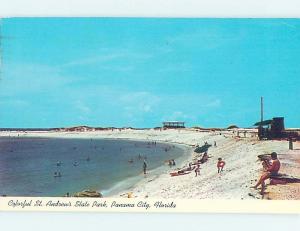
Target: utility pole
261 109
260 128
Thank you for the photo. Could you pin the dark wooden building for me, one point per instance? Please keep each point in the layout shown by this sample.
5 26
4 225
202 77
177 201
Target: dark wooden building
273 129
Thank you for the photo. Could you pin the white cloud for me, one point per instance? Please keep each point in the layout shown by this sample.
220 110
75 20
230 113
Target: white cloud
138 104
22 79
108 56
93 60
139 97
208 38
214 103
178 116
14 102
147 108
178 67
82 107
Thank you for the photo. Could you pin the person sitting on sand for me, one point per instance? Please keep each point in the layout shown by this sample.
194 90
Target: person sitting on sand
220 165
197 170
204 158
271 169
190 167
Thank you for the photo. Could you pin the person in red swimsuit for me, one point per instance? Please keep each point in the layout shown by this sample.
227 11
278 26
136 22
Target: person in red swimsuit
271 169
220 165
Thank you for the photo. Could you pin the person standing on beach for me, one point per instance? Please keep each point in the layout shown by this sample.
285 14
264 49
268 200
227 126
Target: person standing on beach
220 165
197 170
145 166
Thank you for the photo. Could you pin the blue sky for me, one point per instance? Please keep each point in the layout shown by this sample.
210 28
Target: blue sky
139 72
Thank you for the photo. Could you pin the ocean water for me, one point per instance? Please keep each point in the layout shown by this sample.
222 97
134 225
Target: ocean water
28 165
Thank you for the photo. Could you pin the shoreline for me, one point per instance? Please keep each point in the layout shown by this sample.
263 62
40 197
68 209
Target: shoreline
240 154
152 175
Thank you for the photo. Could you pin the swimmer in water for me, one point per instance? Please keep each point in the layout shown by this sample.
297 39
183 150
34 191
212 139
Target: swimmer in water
57 174
173 162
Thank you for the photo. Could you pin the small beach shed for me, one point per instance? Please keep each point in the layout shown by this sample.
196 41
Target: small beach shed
270 129
173 124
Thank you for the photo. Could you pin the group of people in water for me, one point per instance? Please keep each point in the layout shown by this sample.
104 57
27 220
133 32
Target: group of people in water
171 162
59 164
144 158
140 157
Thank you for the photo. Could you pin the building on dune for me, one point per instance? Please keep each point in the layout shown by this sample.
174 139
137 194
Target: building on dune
275 129
173 124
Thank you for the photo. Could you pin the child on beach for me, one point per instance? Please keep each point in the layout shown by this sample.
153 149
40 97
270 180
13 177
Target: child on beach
197 170
220 165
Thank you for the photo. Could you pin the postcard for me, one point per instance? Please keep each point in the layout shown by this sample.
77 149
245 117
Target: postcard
150 114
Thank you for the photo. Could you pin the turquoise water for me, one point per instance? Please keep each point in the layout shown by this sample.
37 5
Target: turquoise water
28 165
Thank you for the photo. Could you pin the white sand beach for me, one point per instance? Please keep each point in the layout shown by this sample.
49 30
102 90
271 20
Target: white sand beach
240 153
